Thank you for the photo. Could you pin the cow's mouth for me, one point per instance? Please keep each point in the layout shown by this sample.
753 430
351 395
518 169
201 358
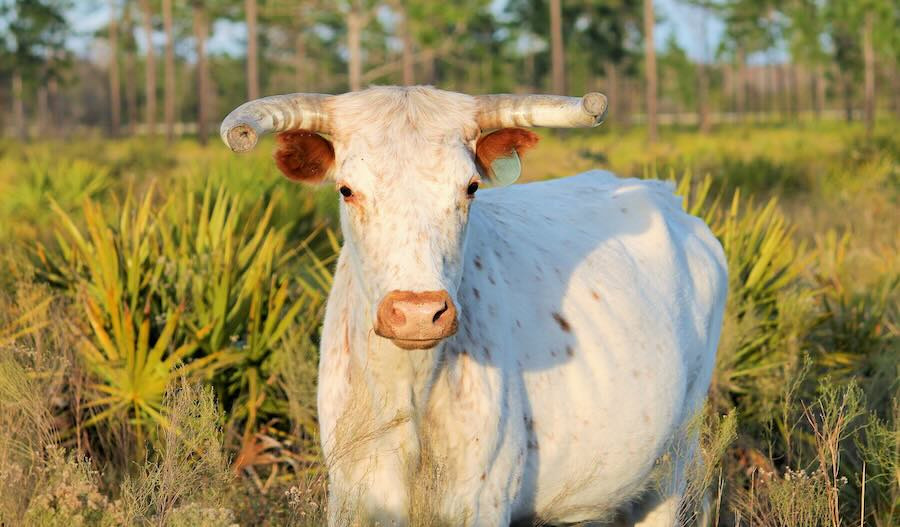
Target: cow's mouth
416 344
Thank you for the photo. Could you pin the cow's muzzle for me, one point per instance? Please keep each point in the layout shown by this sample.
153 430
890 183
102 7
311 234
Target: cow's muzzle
416 320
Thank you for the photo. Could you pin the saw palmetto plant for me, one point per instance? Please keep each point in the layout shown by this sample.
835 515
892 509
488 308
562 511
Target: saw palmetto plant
183 287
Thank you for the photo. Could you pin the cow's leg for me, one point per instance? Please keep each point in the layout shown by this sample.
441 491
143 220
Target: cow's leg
664 507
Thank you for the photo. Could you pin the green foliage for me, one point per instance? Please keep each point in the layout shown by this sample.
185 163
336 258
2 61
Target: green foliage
186 287
227 267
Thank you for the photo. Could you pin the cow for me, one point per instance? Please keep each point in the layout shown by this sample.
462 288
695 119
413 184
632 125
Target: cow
503 355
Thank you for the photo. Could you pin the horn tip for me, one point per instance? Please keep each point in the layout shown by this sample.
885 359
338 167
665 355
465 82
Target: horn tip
595 104
240 137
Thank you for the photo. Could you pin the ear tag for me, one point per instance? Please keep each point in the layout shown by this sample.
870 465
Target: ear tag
506 170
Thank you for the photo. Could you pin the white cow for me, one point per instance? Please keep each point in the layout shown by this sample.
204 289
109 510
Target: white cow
526 353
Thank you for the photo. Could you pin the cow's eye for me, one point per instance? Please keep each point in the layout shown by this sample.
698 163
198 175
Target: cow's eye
345 191
472 188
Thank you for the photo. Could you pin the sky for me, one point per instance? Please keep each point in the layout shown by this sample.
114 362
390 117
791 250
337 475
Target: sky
697 33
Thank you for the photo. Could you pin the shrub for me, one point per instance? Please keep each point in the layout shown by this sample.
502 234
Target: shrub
186 287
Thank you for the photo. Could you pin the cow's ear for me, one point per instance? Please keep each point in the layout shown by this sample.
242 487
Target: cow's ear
498 154
303 155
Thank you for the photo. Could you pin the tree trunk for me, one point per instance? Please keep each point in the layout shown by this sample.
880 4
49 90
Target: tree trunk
409 74
703 123
869 61
252 51
201 33
354 39
300 74
149 69
847 93
19 123
53 111
650 63
820 91
793 82
42 111
115 99
429 72
130 79
895 82
612 90
169 72
530 84
740 86
557 50
779 91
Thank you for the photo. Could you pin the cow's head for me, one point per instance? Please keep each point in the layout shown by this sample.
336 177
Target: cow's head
407 163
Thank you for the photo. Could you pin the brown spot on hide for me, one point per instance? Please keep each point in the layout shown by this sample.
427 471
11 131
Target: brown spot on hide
483 476
502 143
563 323
304 156
595 295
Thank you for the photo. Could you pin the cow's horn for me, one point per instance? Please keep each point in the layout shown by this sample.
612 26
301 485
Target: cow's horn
553 111
296 111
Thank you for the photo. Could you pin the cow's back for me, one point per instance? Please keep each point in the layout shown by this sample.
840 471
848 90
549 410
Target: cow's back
608 300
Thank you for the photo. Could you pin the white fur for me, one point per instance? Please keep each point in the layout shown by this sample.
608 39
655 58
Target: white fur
589 342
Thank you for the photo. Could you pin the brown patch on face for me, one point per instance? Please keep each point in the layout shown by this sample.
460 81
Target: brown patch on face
502 143
304 156
595 295
563 323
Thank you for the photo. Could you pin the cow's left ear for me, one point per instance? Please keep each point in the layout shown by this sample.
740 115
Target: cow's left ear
498 154
303 155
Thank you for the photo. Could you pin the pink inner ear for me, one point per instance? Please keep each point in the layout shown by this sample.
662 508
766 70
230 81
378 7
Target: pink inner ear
304 156
500 144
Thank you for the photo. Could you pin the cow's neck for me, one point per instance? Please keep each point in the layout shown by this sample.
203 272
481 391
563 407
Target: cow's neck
394 380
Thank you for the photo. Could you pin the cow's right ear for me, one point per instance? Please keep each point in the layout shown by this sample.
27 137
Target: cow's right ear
304 156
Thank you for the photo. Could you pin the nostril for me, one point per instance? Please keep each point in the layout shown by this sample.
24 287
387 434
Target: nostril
440 312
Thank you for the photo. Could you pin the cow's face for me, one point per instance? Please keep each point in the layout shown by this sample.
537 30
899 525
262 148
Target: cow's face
407 179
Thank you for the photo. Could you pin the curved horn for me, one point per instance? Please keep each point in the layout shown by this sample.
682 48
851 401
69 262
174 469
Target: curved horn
554 111
296 111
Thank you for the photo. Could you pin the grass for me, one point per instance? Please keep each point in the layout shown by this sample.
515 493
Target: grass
160 306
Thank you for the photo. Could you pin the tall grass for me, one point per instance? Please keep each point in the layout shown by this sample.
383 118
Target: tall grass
159 315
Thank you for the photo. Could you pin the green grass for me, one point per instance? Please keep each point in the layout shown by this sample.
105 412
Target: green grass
160 307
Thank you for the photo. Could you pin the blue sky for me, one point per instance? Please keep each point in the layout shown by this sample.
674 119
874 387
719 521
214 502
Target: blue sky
699 34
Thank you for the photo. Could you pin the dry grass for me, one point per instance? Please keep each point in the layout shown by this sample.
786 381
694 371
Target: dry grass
807 376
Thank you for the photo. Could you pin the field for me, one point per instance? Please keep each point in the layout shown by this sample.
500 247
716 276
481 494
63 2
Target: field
159 310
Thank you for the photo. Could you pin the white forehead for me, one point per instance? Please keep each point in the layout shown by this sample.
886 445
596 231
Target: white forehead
415 130
422 111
